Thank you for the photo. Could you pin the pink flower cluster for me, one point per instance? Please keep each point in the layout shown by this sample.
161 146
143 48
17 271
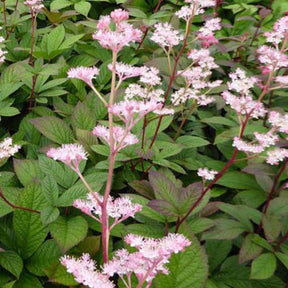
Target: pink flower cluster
146 263
85 272
115 38
124 71
85 74
35 5
196 7
262 141
164 35
130 112
271 58
243 104
70 154
206 33
122 137
206 174
196 79
280 31
7 149
119 209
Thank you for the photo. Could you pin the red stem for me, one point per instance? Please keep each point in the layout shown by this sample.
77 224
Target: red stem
281 241
272 192
172 77
16 206
218 176
148 28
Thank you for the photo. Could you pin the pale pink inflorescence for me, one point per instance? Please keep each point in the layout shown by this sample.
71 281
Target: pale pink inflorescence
280 30
206 33
2 52
196 78
149 260
150 76
277 155
244 103
119 209
122 137
195 7
124 71
70 154
146 263
35 5
7 148
165 36
206 174
122 35
130 112
84 271
85 74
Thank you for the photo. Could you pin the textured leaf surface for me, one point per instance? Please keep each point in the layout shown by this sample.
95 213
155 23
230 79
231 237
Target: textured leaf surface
12 262
48 253
263 266
54 129
187 269
68 232
29 230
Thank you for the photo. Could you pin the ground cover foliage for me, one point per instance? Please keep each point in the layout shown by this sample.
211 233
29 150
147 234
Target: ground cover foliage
209 164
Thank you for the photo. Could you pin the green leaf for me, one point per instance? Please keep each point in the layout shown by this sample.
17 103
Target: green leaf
278 207
272 227
143 187
11 262
164 207
83 118
27 171
49 215
8 89
262 242
52 84
201 224
47 254
238 180
83 7
263 267
69 232
190 195
50 189
283 258
29 231
219 120
101 149
225 229
185 271
54 129
217 252
11 194
27 281
58 274
249 250
192 141
59 4
55 38
164 188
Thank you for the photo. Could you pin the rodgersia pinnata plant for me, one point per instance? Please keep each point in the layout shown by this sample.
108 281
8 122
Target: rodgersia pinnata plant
153 144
